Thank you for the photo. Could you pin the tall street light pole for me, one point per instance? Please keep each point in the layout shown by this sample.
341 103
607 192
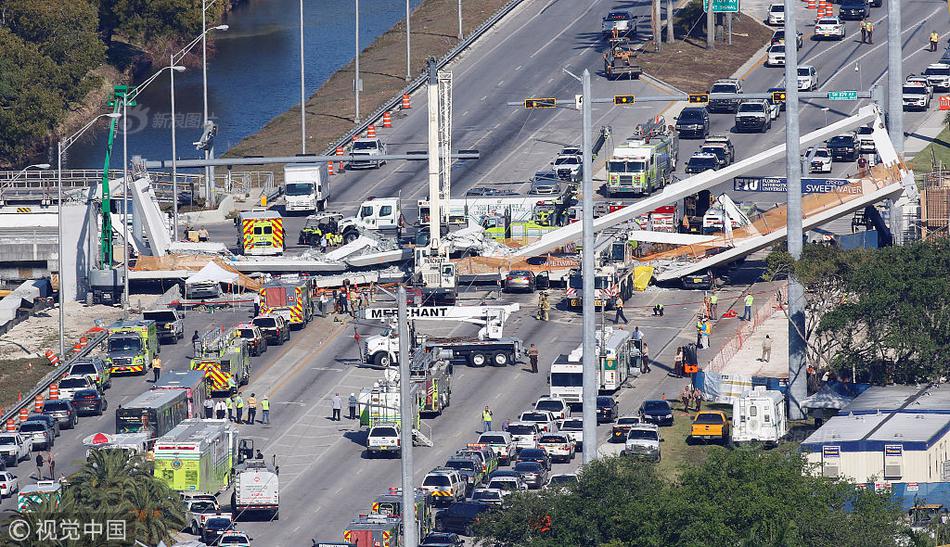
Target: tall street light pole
408 43
173 60
407 422
356 82
303 92
130 96
460 19
895 76
61 148
793 168
589 378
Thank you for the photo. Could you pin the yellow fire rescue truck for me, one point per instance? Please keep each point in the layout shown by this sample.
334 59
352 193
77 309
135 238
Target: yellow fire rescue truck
261 233
291 299
223 356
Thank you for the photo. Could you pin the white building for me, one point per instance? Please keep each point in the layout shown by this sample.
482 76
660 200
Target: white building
893 434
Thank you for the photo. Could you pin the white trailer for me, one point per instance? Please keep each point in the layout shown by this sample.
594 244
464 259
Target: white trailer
306 188
256 489
758 415
617 360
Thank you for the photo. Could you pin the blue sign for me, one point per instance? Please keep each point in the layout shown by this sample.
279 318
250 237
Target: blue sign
780 184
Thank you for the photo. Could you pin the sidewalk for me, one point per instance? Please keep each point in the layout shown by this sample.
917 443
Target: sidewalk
924 134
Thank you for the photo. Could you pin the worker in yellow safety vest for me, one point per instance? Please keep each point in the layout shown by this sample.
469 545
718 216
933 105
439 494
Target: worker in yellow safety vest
265 410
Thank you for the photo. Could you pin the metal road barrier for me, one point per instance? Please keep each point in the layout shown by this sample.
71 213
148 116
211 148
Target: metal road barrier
420 80
54 375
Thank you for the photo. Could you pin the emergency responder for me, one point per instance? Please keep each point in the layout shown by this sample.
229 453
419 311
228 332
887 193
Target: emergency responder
934 38
658 310
239 407
705 331
220 409
714 305
336 404
352 405
232 385
209 408
229 403
747 310
618 304
533 358
265 410
195 342
699 334
486 419
251 408
156 368
864 31
870 27
544 307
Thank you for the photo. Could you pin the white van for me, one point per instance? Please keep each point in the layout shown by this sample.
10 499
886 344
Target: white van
758 415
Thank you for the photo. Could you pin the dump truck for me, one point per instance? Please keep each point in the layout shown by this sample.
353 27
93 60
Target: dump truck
131 346
645 162
224 357
288 298
257 488
197 456
260 233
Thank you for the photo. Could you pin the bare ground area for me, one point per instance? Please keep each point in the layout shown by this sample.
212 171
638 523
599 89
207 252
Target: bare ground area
22 361
688 65
331 109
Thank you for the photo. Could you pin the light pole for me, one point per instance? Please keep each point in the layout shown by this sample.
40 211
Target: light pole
460 20
27 168
174 59
61 148
408 44
130 96
303 92
356 82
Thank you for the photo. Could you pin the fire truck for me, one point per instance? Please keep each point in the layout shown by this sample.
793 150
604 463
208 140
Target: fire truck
645 162
288 298
374 531
612 278
224 357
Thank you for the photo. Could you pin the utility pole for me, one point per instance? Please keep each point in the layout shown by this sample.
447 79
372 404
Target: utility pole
657 24
589 379
711 28
171 62
895 77
303 92
405 431
670 34
729 29
460 20
793 167
408 43
356 82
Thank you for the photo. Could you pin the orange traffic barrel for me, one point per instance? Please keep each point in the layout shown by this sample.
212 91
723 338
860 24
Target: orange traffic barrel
38 404
406 104
371 131
53 391
24 414
387 120
11 425
329 167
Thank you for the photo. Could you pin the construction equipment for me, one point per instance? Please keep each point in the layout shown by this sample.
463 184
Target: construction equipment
224 357
620 61
434 274
433 374
197 456
645 162
290 298
261 233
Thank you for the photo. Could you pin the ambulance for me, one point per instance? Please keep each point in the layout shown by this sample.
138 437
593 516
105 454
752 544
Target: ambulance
261 233
197 456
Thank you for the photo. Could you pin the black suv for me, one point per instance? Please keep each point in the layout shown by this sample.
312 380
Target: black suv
460 517
854 10
844 147
657 411
693 123
607 409
276 329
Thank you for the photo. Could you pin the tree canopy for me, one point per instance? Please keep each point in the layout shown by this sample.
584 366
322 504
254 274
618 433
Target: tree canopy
738 497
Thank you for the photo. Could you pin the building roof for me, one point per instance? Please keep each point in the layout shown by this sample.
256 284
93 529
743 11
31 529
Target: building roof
926 399
870 432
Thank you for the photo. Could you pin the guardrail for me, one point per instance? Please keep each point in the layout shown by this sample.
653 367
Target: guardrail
394 102
54 375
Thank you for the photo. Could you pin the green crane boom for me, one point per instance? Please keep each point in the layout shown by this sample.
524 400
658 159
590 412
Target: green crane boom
105 234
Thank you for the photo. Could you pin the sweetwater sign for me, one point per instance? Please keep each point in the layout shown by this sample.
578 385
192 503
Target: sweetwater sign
780 184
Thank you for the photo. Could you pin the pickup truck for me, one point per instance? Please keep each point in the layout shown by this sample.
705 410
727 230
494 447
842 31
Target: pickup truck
367 148
709 425
754 114
198 511
170 324
13 448
729 86
643 441
383 439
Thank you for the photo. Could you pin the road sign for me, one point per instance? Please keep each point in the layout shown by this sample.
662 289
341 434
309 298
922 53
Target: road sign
541 102
778 97
944 102
624 99
780 184
722 6
698 97
842 95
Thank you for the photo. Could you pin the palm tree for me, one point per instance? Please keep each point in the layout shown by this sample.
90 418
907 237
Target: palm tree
155 511
103 480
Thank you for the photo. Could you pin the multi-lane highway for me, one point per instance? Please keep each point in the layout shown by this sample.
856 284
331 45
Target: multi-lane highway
325 480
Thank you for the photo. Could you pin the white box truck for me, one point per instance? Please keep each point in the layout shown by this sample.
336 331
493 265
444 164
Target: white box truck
256 488
306 188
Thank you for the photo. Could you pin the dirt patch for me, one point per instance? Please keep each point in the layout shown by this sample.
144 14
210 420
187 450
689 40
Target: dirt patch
688 65
330 110
18 376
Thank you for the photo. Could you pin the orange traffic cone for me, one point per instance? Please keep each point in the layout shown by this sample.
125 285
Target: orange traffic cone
387 120
330 168
406 104
371 131
339 152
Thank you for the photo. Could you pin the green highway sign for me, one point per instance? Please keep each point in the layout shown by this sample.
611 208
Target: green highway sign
722 6
842 95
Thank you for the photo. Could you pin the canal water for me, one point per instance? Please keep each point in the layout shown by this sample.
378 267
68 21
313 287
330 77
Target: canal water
253 76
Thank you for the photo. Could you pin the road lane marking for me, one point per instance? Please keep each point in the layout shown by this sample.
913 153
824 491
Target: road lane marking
566 28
